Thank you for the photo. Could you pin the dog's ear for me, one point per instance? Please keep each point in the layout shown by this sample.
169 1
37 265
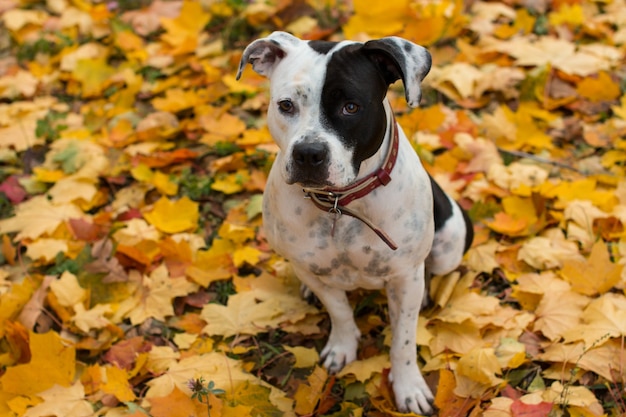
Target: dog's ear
398 58
265 53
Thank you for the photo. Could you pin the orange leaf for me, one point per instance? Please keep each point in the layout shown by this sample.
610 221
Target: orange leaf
596 275
308 394
179 404
600 88
506 224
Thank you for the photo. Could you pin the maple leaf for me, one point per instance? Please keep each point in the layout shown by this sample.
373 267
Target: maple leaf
173 216
105 263
52 363
182 31
305 357
476 372
38 216
308 395
62 401
153 295
93 74
558 312
596 275
245 314
179 404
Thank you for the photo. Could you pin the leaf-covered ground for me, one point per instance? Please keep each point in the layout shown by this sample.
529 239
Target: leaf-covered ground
134 275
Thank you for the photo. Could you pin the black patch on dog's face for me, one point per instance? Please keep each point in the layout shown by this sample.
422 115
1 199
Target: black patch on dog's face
353 81
322 47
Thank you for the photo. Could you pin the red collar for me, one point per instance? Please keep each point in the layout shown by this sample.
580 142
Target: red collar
335 200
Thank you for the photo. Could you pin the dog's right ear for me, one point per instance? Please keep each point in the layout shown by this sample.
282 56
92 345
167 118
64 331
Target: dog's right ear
265 53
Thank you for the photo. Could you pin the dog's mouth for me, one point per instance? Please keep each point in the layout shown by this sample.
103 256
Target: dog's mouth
308 178
317 185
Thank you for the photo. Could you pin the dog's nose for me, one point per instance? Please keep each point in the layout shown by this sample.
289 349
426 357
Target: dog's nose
310 155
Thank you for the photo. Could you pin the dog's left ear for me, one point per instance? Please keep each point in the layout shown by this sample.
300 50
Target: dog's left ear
398 58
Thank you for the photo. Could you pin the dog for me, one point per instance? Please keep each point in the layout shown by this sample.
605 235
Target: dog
347 200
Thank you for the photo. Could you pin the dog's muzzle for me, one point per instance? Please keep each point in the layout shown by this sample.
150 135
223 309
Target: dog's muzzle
309 164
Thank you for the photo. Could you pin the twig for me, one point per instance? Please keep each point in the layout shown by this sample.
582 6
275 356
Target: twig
540 159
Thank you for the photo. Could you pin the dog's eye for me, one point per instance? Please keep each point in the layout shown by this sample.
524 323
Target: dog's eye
286 106
350 108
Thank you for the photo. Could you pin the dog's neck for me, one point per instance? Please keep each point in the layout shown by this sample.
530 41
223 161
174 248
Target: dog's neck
374 162
336 200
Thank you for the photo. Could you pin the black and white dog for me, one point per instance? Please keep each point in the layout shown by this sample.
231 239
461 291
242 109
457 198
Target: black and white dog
348 202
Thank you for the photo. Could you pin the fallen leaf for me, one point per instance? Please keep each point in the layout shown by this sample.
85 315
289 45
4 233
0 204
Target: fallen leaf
173 216
596 275
52 363
62 401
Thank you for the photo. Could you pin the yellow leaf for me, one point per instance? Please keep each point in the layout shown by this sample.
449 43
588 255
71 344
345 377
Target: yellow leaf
143 173
220 126
93 74
94 318
237 410
596 275
572 395
567 14
67 290
212 265
154 295
239 86
456 337
366 368
511 353
163 184
177 99
225 372
46 249
305 357
550 250
182 32
246 254
52 362
174 216
584 189
231 183
480 365
621 110
38 216
236 233
604 317
62 401
117 384
308 394
558 312
377 19
600 88
243 314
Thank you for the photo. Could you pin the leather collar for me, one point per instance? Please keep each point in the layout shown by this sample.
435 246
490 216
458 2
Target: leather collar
335 200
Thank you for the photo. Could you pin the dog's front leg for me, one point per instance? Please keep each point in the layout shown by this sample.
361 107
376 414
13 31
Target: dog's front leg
344 335
405 297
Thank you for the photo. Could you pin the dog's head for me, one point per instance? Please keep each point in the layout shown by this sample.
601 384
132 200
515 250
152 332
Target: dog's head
326 109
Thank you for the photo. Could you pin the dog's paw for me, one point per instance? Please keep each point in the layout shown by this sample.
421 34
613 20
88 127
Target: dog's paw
340 350
412 393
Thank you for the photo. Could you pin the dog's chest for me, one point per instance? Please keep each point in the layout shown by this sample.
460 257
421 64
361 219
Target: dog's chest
346 257
350 256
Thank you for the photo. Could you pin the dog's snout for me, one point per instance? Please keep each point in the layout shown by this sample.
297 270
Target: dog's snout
310 155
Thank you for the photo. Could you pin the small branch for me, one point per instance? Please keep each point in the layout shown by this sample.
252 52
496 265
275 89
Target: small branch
520 154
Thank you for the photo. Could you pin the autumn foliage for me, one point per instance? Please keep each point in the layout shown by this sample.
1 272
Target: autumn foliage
133 262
